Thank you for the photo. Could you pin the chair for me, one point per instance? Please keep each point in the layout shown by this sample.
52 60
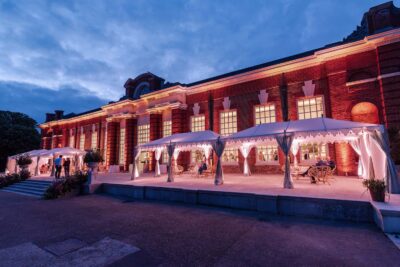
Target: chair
179 170
296 171
191 170
320 173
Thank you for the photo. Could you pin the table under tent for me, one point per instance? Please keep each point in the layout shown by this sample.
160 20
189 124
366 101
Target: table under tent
369 141
42 160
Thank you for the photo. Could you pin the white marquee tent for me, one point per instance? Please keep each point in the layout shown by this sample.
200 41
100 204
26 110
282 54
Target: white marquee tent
175 143
43 155
369 141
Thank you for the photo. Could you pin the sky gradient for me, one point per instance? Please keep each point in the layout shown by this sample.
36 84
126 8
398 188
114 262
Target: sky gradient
76 55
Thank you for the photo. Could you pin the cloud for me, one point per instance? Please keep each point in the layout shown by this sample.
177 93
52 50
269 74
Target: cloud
94 48
36 101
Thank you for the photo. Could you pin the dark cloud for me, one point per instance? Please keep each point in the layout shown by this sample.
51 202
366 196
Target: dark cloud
97 45
36 101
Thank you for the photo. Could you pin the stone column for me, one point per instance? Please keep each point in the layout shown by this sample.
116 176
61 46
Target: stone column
130 141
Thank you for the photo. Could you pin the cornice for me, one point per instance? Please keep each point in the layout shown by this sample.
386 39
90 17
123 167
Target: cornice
319 57
88 116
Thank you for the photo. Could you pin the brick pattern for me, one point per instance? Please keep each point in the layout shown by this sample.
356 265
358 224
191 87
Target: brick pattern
330 79
112 143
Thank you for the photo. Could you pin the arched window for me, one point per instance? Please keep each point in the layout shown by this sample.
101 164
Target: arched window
142 89
365 112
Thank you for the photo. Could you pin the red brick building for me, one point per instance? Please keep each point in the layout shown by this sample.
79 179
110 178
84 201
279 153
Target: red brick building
356 79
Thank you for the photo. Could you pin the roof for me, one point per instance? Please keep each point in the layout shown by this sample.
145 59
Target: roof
308 127
183 139
72 115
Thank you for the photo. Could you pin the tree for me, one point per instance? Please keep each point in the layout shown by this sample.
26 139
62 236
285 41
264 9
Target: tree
18 134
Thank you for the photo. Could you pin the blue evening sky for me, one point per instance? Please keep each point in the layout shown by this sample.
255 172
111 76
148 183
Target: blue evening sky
76 55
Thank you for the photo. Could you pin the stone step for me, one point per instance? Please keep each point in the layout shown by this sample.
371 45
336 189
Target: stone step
27 187
23 192
41 182
387 215
35 184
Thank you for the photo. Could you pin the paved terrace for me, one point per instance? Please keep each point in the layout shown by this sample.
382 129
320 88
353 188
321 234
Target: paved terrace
349 188
340 187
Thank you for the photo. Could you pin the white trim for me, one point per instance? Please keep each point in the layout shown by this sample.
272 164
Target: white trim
388 75
348 84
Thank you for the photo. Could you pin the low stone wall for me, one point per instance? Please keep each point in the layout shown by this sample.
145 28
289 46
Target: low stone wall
331 209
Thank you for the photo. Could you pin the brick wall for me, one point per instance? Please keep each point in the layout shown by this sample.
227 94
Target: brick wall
112 143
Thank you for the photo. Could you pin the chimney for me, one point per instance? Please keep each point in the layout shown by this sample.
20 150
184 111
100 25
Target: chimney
59 114
50 117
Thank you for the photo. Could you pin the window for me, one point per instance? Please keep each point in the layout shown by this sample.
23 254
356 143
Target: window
122 146
198 123
264 114
230 155
308 108
94 140
312 151
82 141
267 154
228 125
72 141
167 131
143 134
228 122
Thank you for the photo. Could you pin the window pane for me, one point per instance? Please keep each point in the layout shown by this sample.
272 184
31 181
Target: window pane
267 153
310 108
265 114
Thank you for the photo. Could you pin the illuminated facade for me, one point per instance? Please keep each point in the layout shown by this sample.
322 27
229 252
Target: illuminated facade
356 79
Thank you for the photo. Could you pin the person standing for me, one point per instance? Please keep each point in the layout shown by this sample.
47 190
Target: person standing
66 165
58 166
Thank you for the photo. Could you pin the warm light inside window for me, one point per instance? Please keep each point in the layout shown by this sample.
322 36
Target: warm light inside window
265 114
122 147
82 141
267 153
94 140
198 123
312 151
308 108
143 134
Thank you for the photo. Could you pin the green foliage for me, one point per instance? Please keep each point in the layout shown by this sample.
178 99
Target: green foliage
24 174
17 134
24 159
93 156
63 186
374 184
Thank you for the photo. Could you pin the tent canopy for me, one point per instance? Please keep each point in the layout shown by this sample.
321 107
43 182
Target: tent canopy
304 130
65 151
182 140
32 153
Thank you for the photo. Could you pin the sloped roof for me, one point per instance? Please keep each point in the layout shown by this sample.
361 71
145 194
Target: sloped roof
190 138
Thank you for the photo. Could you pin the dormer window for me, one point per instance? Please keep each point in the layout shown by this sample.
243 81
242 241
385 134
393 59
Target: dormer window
142 89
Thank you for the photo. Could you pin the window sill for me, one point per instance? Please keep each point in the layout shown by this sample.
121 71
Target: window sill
230 163
271 163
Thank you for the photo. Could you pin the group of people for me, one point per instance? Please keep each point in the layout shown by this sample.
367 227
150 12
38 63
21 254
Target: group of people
320 162
59 163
